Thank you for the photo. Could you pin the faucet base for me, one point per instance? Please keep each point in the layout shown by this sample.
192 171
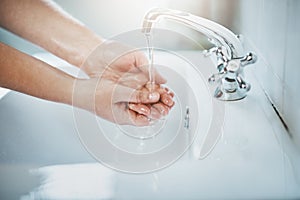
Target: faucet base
223 95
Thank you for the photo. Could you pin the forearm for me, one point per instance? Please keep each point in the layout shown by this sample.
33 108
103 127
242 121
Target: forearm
28 75
44 23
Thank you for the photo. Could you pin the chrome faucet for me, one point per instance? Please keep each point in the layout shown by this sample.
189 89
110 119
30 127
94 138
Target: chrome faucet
227 48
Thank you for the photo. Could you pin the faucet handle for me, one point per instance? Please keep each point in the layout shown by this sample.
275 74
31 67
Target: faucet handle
250 58
216 77
243 85
228 69
222 58
209 52
221 53
231 84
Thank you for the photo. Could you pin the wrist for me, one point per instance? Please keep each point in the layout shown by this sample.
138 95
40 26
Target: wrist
65 90
83 94
80 50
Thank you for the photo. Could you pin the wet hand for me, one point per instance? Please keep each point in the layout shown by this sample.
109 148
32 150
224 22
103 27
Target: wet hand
155 110
118 103
120 64
112 56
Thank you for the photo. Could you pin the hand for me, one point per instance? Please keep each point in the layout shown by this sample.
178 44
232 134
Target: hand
109 100
119 58
120 64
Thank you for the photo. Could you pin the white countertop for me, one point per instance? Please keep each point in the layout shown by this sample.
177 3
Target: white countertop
38 138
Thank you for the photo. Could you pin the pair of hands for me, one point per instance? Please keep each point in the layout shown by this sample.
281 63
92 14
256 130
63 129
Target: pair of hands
119 86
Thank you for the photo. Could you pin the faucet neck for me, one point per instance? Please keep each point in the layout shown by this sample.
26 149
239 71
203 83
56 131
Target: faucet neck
217 34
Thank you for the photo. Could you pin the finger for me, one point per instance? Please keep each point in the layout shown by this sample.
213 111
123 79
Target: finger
155 113
140 59
143 64
171 94
137 119
166 96
126 94
123 115
140 109
152 86
160 89
133 80
167 99
162 109
158 78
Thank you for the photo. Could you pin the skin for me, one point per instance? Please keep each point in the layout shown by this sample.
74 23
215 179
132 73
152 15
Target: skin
115 85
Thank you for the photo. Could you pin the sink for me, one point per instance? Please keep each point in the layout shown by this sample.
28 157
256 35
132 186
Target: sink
218 157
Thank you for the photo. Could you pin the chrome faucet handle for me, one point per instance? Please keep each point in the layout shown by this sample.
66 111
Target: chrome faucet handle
243 84
219 51
231 84
250 58
215 78
222 56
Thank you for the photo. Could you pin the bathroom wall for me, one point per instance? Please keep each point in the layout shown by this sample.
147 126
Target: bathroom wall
272 29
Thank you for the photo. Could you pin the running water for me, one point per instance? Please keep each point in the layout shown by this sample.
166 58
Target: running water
156 125
151 60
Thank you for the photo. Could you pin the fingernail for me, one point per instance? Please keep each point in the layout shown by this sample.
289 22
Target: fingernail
153 96
169 101
166 101
144 111
163 112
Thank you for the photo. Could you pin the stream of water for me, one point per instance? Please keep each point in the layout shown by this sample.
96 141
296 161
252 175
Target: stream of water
151 59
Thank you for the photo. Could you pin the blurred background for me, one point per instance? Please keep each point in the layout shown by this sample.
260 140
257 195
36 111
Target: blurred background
110 18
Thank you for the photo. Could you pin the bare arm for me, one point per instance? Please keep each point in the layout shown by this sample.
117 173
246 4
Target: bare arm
44 23
47 25
28 75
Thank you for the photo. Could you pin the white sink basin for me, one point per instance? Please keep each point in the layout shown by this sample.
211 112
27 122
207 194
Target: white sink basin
104 139
38 139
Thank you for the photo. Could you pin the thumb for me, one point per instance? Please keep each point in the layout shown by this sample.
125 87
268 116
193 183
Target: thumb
142 63
126 94
159 79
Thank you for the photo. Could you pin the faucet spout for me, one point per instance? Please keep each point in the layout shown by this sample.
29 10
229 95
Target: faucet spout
217 34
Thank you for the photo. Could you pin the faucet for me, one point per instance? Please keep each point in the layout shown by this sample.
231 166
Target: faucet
227 48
